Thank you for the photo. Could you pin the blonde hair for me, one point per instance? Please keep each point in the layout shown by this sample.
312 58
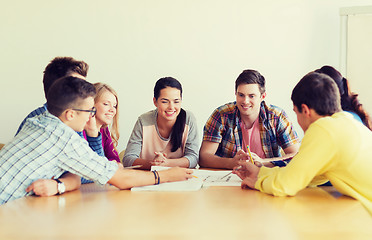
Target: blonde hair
114 129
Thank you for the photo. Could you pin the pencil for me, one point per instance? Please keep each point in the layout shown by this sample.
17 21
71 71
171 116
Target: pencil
135 166
226 175
231 172
250 154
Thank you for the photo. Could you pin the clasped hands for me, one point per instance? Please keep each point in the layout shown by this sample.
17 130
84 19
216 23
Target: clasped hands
160 159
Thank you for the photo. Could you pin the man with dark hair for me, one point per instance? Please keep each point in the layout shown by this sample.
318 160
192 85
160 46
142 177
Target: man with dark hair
248 123
62 67
48 146
335 147
57 68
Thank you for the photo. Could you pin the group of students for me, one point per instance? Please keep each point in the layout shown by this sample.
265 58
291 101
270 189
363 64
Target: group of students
47 157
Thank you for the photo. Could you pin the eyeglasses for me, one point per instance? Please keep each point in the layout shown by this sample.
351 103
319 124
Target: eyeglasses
92 111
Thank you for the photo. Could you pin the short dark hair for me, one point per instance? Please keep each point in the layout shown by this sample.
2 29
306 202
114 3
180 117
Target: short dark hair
179 125
67 93
60 67
319 92
251 77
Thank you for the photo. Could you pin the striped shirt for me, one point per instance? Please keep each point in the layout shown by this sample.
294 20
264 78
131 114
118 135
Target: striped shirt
276 131
44 149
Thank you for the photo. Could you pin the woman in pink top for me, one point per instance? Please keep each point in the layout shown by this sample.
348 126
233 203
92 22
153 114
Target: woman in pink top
167 135
106 103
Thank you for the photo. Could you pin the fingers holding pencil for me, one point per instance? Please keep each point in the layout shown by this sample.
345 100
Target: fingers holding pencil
254 158
246 169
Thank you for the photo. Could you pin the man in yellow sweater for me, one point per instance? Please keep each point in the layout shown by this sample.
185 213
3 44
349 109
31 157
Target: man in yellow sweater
335 147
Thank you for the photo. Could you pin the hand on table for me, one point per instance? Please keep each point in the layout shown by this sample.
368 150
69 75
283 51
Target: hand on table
43 187
175 174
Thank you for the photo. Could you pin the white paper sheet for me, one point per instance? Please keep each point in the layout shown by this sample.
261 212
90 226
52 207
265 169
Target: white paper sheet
217 178
203 178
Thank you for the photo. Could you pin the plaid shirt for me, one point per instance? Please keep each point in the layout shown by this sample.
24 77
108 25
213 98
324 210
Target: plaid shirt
276 131
36 112
44 149
95 143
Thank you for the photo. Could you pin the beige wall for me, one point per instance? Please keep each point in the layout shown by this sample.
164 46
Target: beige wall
130 44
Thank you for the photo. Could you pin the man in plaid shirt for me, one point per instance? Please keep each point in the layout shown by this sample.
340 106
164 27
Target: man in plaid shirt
48 146
248 123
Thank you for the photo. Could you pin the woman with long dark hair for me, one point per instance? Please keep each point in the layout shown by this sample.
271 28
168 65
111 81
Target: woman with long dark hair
167 135
349 100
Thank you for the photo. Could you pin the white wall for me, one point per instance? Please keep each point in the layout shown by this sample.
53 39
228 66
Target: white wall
131 44
359 53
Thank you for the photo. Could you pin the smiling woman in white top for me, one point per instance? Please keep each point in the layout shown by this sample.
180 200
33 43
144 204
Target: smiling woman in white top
166 136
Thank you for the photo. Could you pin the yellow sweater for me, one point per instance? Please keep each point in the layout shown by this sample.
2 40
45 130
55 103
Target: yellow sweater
336 148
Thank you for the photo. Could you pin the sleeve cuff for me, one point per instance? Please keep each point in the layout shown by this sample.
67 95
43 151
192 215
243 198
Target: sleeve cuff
281 163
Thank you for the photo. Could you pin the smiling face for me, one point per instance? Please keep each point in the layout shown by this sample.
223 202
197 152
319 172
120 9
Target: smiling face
248 99
168 104
106 105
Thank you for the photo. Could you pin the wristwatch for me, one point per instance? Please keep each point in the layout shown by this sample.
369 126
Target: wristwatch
60 186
